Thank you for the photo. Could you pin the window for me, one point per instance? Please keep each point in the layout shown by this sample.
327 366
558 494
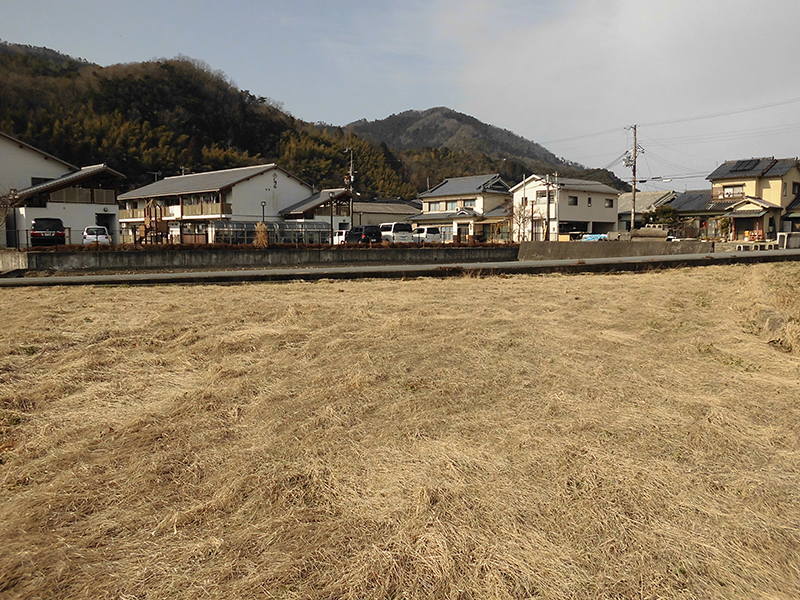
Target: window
434 206
795 188
452 205
469 203
783 192
540 196
609 203
733 191
447 234
524 201
572 201
589 202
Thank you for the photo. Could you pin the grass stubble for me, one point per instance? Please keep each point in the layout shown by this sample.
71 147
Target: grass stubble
612 436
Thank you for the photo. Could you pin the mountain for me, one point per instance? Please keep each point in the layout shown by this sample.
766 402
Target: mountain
447 130
442 127
179 115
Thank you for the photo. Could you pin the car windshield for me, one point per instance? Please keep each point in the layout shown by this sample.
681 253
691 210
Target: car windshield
47 224
95 231
402 227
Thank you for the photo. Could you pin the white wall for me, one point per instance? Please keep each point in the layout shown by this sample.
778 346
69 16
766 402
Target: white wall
75 216
19 165
274 187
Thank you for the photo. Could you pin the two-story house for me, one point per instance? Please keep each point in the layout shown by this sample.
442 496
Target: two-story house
35 184
191 208
554 208
467 209
758 195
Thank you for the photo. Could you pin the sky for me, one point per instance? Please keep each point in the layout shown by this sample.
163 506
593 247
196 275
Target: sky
704 81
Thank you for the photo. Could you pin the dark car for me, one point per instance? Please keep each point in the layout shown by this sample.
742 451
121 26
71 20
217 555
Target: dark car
48 231
363 234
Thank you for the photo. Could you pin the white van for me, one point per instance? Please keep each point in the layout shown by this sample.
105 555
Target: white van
398 233
428 235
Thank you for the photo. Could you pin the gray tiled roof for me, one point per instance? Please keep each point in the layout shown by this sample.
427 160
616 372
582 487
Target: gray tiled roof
695 200
68 180
645 201
753 167
466 186
315 200
196 183
567 183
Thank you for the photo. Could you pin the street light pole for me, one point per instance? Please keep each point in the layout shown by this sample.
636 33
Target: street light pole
330 196
263 207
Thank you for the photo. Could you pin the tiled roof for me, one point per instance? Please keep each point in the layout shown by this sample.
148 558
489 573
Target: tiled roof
567 183
68 180
645 201
196 183
466 186
694 200
315 200
753 167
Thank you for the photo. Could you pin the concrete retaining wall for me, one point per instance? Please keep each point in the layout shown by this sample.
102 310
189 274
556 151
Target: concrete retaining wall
11 260
578 250
277 257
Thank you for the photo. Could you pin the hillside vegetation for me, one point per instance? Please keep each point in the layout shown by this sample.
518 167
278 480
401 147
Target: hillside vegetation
625 436
179 115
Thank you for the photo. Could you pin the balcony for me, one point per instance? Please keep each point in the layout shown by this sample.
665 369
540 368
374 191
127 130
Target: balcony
210 209
206 209
129 214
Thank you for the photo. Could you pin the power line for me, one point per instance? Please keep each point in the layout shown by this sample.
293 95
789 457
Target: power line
724 113
682 120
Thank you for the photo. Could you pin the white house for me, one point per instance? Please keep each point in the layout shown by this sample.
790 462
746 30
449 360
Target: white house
196 208
551 208
35 184
467 209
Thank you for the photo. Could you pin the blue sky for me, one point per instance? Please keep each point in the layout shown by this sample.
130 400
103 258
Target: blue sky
571 74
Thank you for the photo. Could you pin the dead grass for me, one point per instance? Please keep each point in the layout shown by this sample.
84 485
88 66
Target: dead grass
615 436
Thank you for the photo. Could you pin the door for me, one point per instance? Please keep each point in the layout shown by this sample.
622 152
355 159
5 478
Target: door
106 220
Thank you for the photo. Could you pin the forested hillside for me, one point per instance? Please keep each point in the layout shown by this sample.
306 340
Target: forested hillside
171 116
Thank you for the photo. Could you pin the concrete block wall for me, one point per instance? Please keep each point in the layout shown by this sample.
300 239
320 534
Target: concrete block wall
579 250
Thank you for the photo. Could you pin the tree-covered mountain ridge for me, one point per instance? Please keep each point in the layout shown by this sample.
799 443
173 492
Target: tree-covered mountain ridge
170 116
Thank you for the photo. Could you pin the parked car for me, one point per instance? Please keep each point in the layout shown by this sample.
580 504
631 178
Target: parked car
48 231
363 234
96 235
339 237
429 235
399 233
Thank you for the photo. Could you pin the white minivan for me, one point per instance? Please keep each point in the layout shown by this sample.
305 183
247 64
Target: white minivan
428 235
399 233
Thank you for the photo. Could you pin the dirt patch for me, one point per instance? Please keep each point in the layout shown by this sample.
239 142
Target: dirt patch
590 436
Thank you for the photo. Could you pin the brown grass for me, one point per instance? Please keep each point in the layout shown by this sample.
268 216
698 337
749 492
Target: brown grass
614 436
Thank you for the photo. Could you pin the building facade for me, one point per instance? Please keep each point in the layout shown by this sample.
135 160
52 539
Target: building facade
551 208
467 209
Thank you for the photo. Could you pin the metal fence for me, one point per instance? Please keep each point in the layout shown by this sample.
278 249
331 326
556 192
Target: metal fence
21 238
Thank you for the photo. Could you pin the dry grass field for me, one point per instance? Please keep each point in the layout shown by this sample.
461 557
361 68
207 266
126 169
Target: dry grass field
589 436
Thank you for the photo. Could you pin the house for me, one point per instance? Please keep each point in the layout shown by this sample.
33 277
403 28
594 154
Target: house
35 184
760 196
645 202
192 208
467 209
383 210
699 215
555 208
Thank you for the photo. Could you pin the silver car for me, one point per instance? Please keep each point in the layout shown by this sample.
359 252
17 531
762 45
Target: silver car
428 235
96 235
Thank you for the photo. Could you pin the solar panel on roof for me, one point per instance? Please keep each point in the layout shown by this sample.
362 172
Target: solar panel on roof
745 165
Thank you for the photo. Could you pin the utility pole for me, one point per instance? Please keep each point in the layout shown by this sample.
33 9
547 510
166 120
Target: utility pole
630 161
633 197
348 180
